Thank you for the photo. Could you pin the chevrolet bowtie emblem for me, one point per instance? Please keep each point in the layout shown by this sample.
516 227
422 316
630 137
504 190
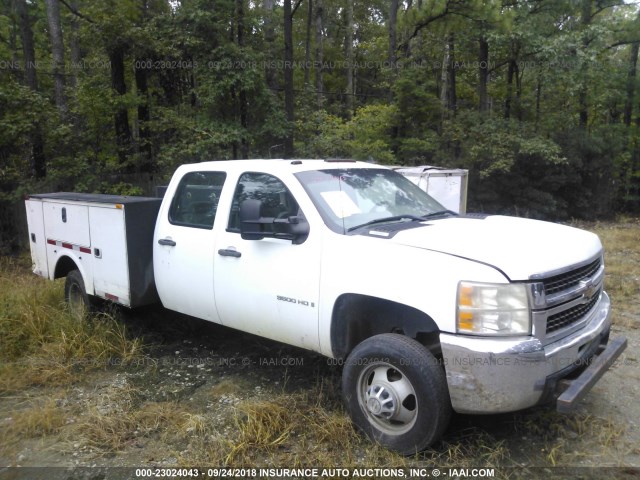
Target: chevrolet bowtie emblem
589 290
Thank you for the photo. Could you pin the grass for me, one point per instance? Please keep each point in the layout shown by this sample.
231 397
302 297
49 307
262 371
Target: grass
42 417
622 260
42 343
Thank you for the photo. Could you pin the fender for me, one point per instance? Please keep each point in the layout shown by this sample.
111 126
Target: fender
357 317
68 262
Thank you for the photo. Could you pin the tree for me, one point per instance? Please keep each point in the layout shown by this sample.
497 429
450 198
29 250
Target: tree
289 99
57 53
348 47
38 161
319 52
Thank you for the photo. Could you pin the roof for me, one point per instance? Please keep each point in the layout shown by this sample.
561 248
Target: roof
277 165
94 198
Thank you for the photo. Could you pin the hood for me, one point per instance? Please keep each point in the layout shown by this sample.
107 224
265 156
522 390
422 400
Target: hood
518 247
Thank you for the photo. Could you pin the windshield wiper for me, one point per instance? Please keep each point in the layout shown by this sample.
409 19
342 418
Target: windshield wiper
395 218
439 213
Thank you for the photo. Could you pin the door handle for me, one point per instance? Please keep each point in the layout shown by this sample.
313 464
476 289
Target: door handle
227 252
167 241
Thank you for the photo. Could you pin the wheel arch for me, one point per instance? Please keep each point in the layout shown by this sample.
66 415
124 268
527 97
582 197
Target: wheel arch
64 265
356 317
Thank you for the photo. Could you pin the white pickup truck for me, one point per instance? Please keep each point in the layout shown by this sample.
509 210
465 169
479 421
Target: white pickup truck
426 310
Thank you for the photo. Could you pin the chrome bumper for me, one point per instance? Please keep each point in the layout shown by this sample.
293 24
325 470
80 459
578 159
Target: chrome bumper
492 375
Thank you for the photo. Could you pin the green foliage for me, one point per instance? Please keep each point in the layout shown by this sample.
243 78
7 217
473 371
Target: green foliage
204 81
370 133
513 170
321 135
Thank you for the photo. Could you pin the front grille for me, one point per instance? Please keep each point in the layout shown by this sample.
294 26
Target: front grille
564 281
572 315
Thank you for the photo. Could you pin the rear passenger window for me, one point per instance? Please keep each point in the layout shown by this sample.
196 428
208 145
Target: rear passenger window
196 200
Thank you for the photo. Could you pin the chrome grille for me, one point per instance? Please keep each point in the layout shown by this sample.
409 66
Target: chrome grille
564 281
570 316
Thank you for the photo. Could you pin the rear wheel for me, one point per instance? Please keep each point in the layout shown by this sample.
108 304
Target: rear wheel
396 392
76 295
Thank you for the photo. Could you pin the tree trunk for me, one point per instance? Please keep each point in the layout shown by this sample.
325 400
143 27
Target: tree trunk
288 78
37 161
538 99
483 74
146 149
393 45
583 107
348 40
121 117
511 72
393 36
319 53
28 50
448 95
75 50
57 53
244 144
307 44
631 83
269 38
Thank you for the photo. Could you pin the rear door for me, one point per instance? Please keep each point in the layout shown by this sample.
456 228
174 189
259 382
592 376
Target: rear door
184 250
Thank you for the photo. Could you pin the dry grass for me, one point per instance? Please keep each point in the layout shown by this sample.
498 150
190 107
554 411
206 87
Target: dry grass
621 241
41 343
295 429
43 417
114 431
31 418
622 259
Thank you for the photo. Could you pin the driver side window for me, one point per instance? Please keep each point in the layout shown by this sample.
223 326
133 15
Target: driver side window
277 201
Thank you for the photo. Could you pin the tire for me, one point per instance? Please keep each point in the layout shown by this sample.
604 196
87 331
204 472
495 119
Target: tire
396 392
76 296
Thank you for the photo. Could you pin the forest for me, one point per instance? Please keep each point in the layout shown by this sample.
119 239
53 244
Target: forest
537 98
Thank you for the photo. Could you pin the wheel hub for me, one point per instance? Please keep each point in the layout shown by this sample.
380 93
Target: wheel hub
381 401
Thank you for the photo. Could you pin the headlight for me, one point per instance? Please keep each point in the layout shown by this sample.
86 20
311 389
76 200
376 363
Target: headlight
493 309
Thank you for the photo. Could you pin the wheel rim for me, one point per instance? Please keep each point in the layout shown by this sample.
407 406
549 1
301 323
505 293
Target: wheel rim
387 398
76 300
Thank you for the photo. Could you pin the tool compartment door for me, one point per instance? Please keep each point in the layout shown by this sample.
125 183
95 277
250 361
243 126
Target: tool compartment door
110 256
37 238
67 222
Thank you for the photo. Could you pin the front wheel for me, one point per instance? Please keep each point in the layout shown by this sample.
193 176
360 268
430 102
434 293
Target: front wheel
396 393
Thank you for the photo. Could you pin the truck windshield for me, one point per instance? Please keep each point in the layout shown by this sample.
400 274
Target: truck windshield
352 198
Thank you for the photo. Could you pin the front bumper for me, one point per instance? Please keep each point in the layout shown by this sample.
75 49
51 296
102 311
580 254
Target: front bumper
494 375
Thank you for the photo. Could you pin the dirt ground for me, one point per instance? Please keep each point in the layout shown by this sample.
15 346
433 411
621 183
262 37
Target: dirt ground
188 403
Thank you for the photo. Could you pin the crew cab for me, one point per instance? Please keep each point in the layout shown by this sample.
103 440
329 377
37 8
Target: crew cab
427 311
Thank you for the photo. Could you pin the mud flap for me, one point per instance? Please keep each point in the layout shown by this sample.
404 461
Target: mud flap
578 387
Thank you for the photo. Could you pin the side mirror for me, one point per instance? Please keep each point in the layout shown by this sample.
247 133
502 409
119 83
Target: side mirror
298 228
252 224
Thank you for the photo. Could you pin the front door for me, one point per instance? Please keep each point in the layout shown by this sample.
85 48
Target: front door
268 287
